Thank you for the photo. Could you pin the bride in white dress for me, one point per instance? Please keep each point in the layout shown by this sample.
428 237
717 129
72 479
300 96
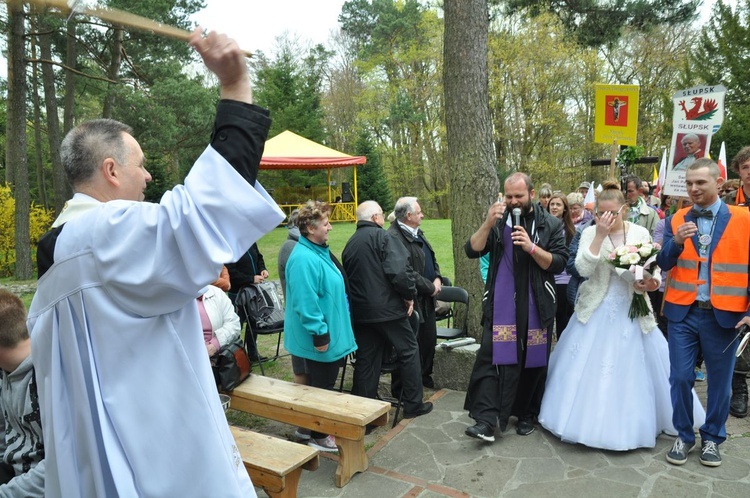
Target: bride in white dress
608 379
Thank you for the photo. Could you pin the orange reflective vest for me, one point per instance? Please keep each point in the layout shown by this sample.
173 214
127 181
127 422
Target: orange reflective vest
729 265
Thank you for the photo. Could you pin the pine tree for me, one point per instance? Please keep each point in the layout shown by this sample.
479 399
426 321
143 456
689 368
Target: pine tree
372 184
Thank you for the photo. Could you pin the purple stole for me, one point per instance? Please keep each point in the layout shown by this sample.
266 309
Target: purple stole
504 331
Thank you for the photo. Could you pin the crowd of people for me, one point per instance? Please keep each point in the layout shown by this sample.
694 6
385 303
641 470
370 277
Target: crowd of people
125 286
615 380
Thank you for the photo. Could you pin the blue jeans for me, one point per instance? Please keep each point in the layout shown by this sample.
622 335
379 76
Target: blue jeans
699 329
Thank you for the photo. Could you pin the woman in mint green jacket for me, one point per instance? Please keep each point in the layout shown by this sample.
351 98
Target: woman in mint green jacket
317 324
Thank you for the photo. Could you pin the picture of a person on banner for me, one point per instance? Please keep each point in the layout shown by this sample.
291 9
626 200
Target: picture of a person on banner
692 146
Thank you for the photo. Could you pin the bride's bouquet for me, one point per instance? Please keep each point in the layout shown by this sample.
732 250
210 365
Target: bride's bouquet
632 262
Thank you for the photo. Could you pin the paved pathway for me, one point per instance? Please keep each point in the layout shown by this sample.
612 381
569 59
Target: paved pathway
430 456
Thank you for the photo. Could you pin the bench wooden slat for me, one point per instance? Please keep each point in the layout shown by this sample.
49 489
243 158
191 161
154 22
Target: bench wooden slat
274 464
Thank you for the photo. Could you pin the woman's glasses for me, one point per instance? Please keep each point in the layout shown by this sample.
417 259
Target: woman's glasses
613 213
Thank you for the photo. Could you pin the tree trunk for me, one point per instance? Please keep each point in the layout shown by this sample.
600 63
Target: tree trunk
470 153
41 184
112 72
71 60
62 191
16 137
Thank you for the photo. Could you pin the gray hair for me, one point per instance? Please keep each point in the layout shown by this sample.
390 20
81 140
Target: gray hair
575 199
404 206
293 216
367 210
692 137
88 144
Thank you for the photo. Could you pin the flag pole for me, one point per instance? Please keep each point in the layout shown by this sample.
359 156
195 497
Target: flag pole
613 160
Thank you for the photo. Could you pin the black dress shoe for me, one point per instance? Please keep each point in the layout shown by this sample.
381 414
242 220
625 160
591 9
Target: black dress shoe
525 427
423 409
428 382
481 431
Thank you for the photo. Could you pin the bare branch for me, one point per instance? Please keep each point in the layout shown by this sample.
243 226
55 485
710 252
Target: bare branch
72 70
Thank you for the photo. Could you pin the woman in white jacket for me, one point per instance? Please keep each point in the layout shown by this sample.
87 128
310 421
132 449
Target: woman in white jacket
608 380
221 325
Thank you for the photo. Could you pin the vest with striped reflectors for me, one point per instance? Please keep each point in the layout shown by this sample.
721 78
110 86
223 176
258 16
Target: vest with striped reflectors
729 265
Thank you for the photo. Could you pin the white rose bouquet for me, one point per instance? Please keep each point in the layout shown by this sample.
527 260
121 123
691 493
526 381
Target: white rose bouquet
632 262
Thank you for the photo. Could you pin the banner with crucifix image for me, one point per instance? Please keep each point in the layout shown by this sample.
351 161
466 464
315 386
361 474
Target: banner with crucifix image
616 118
698 114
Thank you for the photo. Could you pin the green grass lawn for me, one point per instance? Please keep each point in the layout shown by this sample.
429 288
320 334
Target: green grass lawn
11 283
438 232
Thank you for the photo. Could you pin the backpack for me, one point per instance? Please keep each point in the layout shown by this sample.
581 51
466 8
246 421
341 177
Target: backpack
262 306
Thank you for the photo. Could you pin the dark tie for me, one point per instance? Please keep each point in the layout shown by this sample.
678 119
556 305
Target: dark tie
703 213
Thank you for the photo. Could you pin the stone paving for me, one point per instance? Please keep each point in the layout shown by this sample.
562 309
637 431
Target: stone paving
430 456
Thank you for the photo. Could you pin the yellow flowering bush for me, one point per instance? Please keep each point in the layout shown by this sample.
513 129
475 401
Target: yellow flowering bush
40 220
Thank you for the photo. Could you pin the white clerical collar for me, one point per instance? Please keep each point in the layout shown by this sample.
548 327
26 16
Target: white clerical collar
74 207
413 231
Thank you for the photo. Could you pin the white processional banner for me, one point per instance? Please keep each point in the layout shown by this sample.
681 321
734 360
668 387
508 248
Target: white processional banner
698 114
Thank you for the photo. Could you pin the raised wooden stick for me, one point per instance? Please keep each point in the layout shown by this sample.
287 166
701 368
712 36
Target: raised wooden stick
121 17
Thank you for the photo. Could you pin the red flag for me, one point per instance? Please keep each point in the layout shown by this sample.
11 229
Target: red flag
723 161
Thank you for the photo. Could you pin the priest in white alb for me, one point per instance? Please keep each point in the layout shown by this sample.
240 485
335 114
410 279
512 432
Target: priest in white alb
129 404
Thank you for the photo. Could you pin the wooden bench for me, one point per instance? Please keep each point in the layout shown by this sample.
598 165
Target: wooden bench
343 415
274 464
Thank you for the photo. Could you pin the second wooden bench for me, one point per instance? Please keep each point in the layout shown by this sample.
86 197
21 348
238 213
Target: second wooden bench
274 464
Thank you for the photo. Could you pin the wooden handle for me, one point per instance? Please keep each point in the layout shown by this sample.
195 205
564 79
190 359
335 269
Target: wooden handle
123 18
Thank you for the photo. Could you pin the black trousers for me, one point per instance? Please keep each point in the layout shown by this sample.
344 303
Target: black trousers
564 309
7 473
498 391
373 340
427 339
657 297
323 375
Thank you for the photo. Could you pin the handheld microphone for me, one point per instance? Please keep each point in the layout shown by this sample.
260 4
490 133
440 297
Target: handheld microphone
516 216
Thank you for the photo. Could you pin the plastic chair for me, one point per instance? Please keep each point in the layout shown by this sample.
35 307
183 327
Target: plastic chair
445 314
454 295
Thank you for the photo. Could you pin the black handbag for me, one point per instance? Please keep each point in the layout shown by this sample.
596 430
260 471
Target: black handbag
231 366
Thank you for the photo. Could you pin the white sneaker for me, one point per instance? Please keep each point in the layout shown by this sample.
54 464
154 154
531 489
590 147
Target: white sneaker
301 434
327 444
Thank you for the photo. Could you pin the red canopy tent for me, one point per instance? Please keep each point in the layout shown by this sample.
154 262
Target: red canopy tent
288 150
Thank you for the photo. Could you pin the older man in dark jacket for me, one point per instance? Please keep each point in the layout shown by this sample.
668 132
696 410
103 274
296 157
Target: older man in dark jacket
382 290
517 311
406 229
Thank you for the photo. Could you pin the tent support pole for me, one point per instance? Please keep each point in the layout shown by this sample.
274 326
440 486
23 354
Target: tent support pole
356 194
329 185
